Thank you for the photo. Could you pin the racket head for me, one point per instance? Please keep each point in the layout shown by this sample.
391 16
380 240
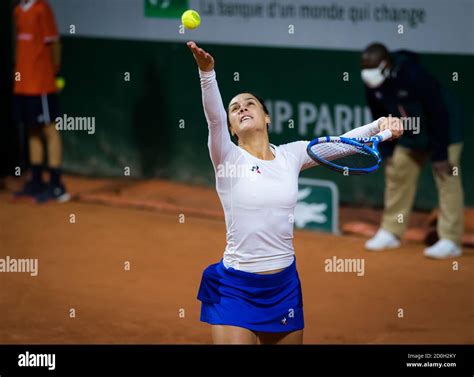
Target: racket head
347 156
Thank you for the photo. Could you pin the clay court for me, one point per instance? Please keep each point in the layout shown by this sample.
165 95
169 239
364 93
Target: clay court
82 266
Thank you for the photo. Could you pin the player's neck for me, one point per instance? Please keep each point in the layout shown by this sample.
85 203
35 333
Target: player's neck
258 147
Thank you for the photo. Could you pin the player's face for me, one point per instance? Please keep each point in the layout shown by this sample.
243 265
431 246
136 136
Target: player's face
246 113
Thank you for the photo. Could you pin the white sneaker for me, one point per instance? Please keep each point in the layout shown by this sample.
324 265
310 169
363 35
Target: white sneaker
444 248
383 239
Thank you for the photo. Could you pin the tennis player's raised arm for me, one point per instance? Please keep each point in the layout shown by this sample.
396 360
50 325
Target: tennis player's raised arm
219 141
384 123
367 130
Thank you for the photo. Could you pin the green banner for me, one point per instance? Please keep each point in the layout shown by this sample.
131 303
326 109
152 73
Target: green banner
317 207
165 8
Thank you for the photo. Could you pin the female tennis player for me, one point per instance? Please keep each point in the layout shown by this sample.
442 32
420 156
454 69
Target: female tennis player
254 294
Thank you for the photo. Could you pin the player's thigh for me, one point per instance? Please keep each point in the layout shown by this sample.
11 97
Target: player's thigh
50 129
223 334
294 337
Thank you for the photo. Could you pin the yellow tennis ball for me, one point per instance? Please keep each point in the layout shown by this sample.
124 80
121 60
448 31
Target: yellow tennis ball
191 19
60 83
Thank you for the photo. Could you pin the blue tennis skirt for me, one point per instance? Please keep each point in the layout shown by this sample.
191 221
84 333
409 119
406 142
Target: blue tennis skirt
266 303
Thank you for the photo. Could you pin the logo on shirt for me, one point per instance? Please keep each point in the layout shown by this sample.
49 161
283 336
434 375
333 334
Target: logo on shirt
233 170
256 168
284 322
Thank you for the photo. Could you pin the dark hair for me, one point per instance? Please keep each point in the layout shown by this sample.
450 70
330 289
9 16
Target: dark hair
265 109
379 50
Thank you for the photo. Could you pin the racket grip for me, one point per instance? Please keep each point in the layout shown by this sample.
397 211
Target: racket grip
385 135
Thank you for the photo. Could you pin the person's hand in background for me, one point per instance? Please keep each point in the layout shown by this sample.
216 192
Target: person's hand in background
442 169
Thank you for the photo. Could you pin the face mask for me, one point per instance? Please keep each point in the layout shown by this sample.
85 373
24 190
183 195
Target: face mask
374 77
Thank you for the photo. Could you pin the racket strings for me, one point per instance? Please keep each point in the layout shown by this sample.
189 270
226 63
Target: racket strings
344 155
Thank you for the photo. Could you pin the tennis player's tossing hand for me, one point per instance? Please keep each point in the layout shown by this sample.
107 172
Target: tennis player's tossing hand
393 124
204 60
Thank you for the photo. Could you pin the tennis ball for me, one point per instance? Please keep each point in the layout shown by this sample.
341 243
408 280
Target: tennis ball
60 83
191 19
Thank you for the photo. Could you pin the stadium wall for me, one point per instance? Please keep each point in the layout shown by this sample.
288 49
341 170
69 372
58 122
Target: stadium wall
146 102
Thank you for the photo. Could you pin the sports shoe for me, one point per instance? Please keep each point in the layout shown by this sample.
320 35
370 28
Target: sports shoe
29 190
444 248
382 240
57 193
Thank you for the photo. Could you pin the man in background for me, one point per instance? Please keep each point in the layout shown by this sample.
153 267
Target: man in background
398 85
38 58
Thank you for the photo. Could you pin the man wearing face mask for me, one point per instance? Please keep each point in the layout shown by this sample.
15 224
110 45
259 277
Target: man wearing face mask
398 85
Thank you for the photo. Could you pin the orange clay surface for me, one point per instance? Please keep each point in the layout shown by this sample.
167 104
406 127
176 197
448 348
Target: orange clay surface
82 266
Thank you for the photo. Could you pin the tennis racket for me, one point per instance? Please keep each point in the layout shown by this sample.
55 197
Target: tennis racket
350 156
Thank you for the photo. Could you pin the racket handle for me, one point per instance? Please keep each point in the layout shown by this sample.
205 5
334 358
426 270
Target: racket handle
385 135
